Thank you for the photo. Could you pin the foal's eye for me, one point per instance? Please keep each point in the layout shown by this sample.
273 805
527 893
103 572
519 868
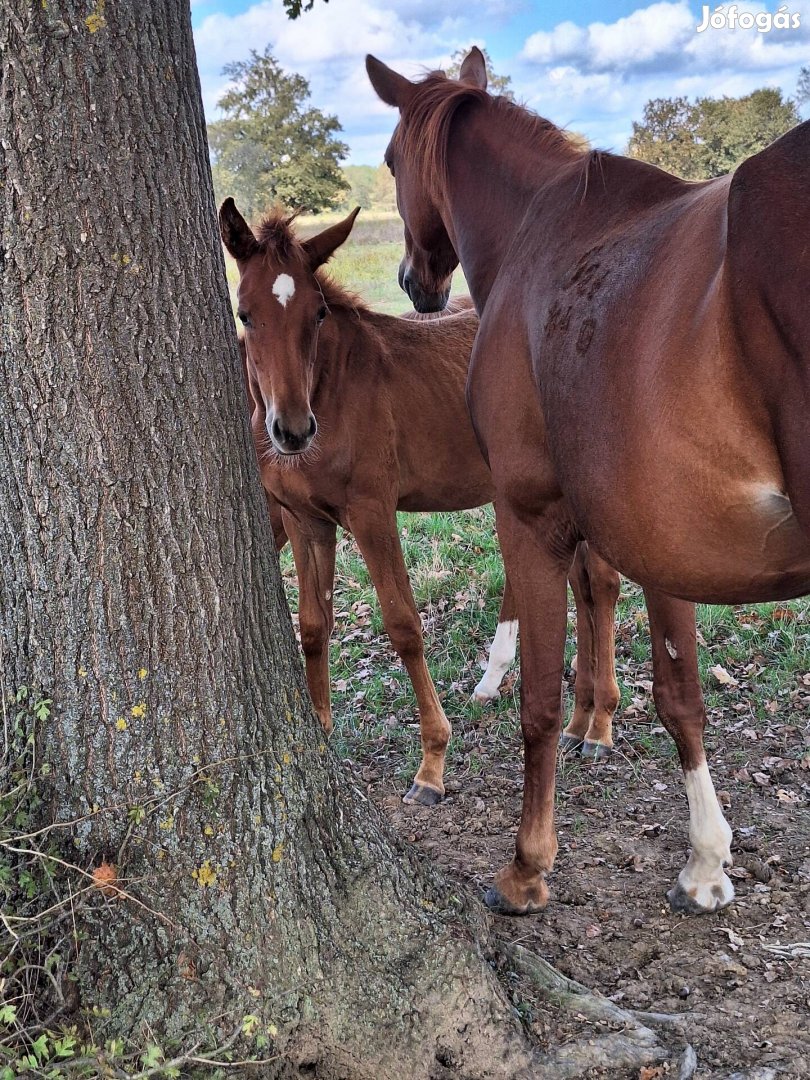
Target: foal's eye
243 318
321 314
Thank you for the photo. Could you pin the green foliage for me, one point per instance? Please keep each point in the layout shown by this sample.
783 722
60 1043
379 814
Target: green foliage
496 84
803 87
271 146
295 7
711 136
370 188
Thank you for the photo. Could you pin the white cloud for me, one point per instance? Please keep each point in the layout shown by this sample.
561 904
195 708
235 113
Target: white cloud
662 38
597 78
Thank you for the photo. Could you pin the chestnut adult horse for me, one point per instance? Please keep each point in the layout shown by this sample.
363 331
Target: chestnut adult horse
358 414
641 378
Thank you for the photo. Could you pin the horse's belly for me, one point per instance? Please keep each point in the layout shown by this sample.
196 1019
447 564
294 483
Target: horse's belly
741 545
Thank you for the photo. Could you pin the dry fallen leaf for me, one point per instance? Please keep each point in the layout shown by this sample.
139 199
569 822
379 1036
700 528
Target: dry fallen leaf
105 878
723 676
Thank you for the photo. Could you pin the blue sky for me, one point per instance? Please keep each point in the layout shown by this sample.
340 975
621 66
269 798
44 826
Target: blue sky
589 66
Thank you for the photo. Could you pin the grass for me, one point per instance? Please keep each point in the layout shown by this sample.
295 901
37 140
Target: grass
457 579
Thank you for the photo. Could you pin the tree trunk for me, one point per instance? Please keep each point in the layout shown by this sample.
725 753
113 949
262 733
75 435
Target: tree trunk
140 591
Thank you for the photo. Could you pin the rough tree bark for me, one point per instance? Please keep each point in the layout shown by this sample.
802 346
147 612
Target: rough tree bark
140 591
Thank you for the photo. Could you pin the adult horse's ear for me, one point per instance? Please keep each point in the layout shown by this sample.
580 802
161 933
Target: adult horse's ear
474 69
237 236
393 88
323 246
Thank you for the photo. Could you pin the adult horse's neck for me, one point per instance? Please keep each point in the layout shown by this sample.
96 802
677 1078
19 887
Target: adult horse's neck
493 177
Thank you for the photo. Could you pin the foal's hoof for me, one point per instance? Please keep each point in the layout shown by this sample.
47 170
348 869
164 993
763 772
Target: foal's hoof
570 743
482 695
596 751
700 900
423 795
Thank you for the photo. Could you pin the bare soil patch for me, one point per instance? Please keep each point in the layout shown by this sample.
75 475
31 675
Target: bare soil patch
742 992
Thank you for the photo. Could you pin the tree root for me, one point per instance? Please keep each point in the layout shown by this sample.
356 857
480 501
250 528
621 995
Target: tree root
636 1045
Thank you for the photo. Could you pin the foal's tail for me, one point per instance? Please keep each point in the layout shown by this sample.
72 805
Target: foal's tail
768 265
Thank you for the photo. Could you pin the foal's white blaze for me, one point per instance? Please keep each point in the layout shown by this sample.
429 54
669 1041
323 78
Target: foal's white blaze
501 655
710 836
283 289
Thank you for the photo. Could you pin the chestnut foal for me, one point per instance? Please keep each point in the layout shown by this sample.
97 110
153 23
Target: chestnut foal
392 432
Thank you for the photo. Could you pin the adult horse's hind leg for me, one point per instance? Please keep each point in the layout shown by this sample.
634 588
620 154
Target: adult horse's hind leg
595 585
375 529
313 544
502 650
702 885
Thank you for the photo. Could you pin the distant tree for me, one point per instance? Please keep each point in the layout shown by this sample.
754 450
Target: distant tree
711 136
803 87
295 7
384 193
271 146
369 188
360 180
497 84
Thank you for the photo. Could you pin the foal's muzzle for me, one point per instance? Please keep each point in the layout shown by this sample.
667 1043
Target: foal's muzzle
289 439
421 299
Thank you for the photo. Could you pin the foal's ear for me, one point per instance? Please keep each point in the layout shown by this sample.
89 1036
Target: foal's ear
322 247
393 88
236 234
474 69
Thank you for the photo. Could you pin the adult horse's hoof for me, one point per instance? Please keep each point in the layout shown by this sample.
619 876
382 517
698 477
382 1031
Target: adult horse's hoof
701 899
498 903
569 743
422 795
516 893
596 751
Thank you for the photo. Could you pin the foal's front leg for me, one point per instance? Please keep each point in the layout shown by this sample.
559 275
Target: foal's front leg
313 544
702 885
375 530
537 555
501 651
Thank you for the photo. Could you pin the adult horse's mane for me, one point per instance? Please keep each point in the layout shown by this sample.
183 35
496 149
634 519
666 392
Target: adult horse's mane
423 134
278 239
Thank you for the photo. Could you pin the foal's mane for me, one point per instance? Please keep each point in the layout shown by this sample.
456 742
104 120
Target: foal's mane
278 239
422 135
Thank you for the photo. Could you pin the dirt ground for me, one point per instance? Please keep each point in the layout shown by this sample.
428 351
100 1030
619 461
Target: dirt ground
744 1001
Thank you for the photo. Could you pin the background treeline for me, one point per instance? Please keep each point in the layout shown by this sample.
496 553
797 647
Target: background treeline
270 145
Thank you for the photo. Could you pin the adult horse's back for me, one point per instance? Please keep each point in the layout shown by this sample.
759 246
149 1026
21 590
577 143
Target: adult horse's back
639 378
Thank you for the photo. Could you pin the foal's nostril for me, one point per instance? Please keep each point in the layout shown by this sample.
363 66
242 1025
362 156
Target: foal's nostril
312 428
276 433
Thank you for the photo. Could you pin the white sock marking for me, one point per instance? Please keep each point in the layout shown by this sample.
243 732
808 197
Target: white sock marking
283 289
710 837
501 656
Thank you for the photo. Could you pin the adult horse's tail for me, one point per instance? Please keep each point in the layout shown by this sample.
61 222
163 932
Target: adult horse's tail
768 263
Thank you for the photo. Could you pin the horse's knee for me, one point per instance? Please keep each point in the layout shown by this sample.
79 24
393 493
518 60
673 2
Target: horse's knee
406 637
540 725
607 697
314 636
